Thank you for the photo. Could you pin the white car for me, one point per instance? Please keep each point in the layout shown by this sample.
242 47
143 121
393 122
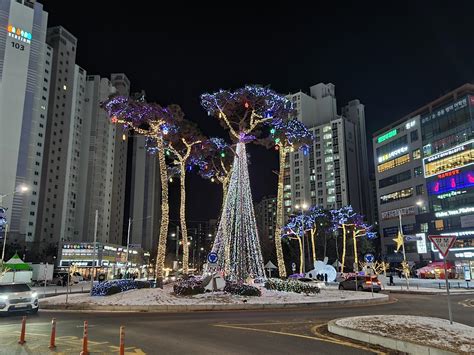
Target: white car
17 297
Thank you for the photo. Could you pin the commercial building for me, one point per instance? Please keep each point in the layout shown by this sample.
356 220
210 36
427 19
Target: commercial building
333 173
446 206
400 187
25 75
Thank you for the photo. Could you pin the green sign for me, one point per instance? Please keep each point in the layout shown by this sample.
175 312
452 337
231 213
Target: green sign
387 135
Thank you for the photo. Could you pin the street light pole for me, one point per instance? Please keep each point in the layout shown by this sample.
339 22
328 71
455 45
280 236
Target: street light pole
128 243
93 248
4 242
403 247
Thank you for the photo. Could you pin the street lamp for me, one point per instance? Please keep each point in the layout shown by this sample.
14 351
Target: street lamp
19 189
130 220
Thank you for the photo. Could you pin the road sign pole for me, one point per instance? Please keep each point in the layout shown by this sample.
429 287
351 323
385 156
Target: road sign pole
447 290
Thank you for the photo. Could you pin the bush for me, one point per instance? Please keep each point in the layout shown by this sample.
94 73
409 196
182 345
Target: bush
188 287
112 287
237 288
290 286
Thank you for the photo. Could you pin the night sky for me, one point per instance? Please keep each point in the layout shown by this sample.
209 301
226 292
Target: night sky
394 57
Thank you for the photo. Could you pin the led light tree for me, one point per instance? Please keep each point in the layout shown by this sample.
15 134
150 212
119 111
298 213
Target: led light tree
353 222
286 135
319 220
184 147
154 122
242 112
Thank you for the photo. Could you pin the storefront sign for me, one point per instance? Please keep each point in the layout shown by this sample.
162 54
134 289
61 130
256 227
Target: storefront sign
401 211
449 160
421 243
456 106
410 124
456 212
460 234
457 182
387 135
393 154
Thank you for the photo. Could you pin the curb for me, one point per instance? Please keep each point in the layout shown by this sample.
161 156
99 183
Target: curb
210 307
389 343
429 293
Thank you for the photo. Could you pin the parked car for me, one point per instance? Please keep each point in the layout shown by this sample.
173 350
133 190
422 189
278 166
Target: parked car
17 297
364 283
76 277
314 282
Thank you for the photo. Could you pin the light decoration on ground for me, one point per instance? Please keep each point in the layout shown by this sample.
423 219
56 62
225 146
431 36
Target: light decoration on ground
242 112
154 122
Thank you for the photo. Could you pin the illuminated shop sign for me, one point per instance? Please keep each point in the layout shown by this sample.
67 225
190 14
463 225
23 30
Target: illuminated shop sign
410 124
460 234
451 194
397 195
451 159
455 212
19 34
453 181
393 163
387 135
421 246
401 211
456 106
392 154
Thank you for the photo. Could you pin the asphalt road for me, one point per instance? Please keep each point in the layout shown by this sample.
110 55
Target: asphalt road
255 332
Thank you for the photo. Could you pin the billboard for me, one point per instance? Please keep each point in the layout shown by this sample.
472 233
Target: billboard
450 159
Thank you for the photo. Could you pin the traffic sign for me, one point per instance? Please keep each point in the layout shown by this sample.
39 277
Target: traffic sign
443 243
410 238
369 258
212 257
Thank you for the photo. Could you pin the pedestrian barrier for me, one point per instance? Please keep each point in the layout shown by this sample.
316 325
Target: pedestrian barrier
84 340
122 341
23 331
52 340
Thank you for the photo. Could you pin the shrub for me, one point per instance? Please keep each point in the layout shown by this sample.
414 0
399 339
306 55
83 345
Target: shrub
112 287
237 288
290 286
188 287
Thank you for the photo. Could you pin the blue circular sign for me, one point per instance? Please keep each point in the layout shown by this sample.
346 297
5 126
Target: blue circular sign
212 257
369 258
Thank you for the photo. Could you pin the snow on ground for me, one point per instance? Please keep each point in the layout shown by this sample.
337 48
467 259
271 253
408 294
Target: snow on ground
421 330
165 296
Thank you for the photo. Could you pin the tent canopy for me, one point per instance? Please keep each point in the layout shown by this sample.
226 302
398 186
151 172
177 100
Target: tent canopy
270 265
16 264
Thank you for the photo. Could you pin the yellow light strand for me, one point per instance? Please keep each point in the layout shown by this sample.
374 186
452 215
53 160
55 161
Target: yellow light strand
343 247
313 244
279 215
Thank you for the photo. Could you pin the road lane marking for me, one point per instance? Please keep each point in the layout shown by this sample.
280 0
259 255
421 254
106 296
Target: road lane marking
316 338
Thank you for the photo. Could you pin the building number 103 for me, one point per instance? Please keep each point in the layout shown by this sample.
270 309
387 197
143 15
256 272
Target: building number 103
19 46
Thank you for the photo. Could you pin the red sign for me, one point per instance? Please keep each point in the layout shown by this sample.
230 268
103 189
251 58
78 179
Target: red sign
449 173
443 243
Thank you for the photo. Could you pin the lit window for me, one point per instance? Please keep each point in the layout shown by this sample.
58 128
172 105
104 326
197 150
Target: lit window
64 87
393 163
416 154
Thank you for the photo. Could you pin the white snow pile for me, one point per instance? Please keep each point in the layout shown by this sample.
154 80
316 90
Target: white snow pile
165 296
428 331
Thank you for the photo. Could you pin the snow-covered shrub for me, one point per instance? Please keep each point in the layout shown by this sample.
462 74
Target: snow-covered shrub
290 286
188 286
112 287
237 288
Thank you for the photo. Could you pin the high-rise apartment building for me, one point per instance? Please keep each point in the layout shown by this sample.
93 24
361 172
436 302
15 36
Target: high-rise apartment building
265 216
25 76
331 174
62 152
433 188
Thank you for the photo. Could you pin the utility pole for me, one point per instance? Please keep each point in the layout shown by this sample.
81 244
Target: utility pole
128 243
4 242
94 247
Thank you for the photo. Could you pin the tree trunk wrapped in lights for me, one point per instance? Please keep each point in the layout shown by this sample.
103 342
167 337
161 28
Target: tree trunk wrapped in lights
280 214
154 122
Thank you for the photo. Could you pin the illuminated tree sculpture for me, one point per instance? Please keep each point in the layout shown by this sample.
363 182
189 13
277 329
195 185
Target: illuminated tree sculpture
154 122
183 147
286 135
353 222
296 228
242 112
319 220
